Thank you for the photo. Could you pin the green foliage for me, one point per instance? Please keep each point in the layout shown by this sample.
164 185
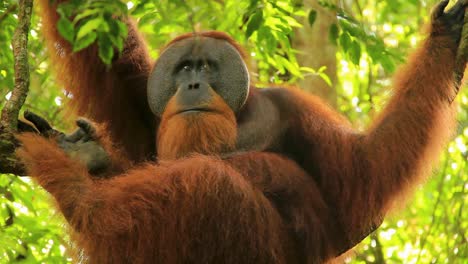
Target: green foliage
82 22
372 37
355 38
312 17
28 233
6 52
264 27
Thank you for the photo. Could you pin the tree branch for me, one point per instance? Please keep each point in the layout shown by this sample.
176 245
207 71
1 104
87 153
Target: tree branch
378 249
11 109
440 190
9 117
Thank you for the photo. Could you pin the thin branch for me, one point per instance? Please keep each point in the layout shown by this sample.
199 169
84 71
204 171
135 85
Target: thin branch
461 239
440 190
9 118
359 8
378 249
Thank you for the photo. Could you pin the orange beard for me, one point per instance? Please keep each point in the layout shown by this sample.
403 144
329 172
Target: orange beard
209 133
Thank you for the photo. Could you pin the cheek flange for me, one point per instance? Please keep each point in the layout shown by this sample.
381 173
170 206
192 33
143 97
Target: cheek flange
232 81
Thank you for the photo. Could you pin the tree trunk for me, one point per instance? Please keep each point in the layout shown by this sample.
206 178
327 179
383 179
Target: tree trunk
315 51
9 119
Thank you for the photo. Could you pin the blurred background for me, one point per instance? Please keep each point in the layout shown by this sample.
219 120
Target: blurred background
344 51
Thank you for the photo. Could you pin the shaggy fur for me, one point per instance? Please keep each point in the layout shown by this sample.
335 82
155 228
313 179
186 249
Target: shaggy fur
211 132
314 194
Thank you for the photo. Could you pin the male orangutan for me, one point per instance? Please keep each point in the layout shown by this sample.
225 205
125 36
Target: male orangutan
210 169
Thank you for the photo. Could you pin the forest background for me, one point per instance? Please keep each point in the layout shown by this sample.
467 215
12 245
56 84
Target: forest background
342 50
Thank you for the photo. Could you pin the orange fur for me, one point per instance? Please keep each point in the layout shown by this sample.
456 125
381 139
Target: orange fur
90 83
323 190
141 216
373 169
211 132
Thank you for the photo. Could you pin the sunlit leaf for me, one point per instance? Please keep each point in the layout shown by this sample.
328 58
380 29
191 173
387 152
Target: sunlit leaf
355 52
66 29
84 41
88 27
254 23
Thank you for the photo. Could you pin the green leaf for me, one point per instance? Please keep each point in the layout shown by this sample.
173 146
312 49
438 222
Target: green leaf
355 52
123 30
84 41
253 4
326 78
106 49
289 66
88 27
117 34
312 17
254 23
353 28
86 13
66 29
388 64
333 33
376 51
139 9
322 69
345 41
118 42
66 9
122 7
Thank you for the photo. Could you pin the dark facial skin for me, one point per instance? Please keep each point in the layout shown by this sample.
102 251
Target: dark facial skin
194 92
192 70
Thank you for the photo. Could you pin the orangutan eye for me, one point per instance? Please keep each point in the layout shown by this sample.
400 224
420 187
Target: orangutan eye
204 67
